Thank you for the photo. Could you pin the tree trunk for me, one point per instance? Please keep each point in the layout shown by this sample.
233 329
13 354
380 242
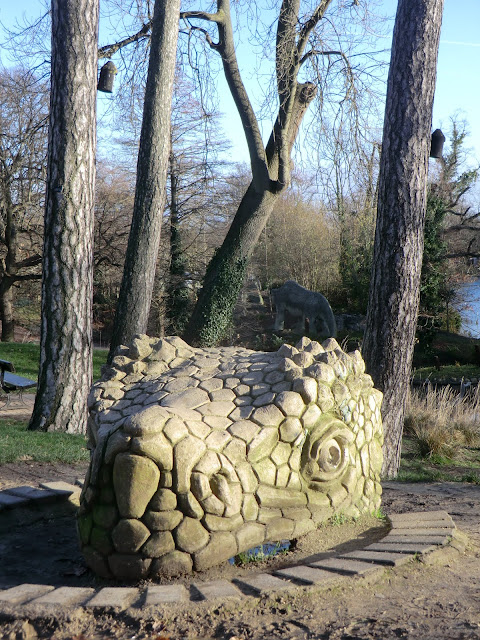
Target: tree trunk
65 344
6 309
223 280
178 299
135 296
394 289
9 266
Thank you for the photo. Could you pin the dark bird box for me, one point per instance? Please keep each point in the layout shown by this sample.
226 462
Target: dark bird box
107 76
436 148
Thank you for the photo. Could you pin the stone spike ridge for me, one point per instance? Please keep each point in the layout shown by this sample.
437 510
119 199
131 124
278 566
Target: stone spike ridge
373 559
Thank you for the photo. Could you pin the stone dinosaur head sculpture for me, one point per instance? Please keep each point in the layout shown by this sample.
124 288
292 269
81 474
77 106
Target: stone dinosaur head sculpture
200 454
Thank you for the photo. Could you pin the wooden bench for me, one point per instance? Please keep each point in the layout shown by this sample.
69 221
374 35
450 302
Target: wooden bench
10 381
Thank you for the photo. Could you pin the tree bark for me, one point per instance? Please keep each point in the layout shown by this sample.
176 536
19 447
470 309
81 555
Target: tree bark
212 314
177 299
6 310
134 300
8 269
65 345
394 289
223 280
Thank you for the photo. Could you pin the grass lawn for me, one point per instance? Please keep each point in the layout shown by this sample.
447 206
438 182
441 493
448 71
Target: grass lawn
465 467
17 444
26 356
445 463
448 373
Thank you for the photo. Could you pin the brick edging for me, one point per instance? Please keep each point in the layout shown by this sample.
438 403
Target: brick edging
412 534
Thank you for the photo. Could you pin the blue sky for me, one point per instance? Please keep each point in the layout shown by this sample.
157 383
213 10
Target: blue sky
458 85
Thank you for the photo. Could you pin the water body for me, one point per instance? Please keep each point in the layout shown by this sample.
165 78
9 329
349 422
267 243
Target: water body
468 305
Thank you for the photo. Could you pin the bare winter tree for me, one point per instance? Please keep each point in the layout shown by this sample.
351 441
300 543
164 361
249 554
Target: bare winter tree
138 278
23 144
300 46
65 348
395 284
113 213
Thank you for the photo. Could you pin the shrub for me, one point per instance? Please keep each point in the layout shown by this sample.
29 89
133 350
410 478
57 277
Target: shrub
441 422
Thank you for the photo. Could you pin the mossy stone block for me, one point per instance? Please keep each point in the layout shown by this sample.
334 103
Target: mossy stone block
190 535
105 515
222 546
100 540
135 479
84 527
96 562
162 520
129 535
129 567
172 564
159 543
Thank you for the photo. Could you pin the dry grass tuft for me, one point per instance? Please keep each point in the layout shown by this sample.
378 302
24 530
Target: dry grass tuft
441 422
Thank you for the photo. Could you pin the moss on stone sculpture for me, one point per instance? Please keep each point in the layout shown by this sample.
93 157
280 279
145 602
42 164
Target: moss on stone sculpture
200 454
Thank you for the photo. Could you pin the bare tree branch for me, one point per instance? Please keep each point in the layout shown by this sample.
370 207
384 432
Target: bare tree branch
109 50
310 25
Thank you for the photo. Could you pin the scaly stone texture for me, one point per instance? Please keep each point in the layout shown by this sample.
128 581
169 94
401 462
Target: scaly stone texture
200 454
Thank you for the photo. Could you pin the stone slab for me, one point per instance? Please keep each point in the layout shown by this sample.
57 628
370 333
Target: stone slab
420 531
262 583
399 547
307 574
407 539
426 524
217 589
65 597
345 566
32 494
8 500
162 594
420 517
379 557
60 487
23 593
114 597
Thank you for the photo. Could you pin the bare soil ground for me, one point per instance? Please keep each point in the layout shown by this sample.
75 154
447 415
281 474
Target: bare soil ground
440 599
17 409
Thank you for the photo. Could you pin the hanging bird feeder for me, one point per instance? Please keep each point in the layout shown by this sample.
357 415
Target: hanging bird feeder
436 148
107 76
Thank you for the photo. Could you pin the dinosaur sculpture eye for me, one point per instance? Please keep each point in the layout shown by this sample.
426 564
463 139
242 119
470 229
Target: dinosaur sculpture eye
325 454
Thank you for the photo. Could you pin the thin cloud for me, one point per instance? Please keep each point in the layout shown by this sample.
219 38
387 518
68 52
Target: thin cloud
463 44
